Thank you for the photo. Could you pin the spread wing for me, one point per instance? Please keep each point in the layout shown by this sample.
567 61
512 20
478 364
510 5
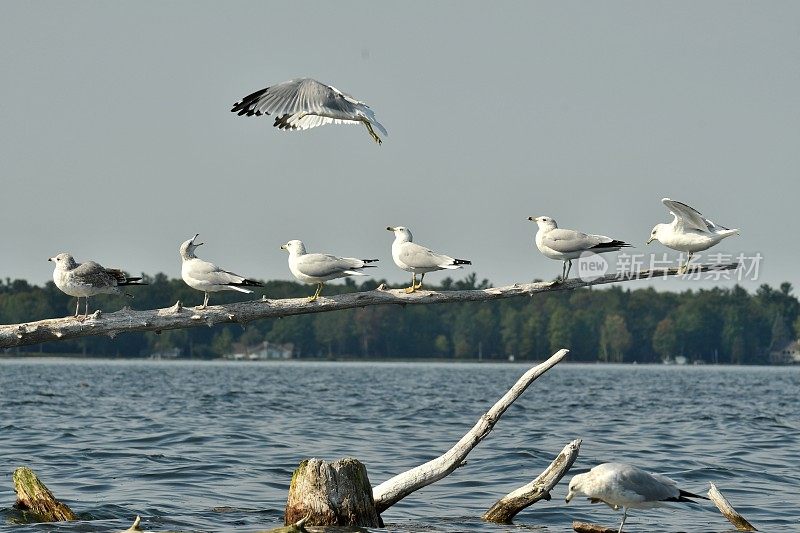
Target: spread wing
323 265
414 255
690 218
569 241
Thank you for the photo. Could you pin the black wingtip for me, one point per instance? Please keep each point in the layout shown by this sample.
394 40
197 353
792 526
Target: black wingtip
370 261
249 283
612 244
461 262
242 107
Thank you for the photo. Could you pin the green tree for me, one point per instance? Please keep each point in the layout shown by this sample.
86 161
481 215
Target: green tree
615 339
665 339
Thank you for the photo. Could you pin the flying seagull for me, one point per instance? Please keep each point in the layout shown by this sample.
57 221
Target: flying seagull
208 277
319 268
688 232
566 244
417 259
621 485
303 103
88 279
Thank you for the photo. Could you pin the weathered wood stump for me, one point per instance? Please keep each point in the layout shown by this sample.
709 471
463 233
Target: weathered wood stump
337 493
35 499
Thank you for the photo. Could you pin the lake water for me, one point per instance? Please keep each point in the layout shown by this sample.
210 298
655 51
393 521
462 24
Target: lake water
211 446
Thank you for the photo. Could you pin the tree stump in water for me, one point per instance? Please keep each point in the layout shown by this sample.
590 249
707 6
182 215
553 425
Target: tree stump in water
331 494
36 500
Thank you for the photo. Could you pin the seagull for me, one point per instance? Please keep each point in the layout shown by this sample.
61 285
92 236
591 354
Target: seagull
319 268
417 259
208 277
303 103
88 279
566 244
621 485
688 232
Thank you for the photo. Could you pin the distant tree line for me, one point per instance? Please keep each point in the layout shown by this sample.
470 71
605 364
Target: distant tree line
723 324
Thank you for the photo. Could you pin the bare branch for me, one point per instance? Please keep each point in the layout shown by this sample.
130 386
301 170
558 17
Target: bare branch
395 489
506 508
728 511
178 317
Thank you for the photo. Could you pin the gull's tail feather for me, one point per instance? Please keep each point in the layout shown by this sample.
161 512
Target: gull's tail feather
685 496
249 283
237 287
133 281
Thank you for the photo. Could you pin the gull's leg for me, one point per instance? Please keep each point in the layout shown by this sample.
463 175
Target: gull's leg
624 516
413 286
371 131
421 277
205 301
569 267
316 293
78 307
87 307
688 258
563 270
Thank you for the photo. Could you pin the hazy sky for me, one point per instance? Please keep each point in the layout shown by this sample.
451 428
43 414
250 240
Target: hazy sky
116 140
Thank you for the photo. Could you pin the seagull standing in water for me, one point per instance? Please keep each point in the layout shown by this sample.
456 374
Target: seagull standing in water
417 259
688 232
621 485
304 103
83 280
319 268
208 277
567 244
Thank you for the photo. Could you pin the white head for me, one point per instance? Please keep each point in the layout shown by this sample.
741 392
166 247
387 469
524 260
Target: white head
402 233
544 222
575 487
188 247
658 230
294 247
64 261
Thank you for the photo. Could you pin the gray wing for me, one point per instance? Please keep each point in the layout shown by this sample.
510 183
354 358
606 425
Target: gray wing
414 255
294 96
568 241
648 487
211 273
93 274
689 217
323 265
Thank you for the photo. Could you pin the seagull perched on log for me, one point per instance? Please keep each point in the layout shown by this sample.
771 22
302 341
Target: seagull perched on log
688 232
417 259
567 244
621 485
83 280
208 277
304 103
319 268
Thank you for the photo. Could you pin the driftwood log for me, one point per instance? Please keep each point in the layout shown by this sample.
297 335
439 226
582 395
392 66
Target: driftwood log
326 494
506 508
178 317
727 510
36 501
586 527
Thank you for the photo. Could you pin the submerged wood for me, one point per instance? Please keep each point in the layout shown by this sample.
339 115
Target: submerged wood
724 506
135 527
395 489
35 499
331 494
297 527
586 527
178 317
506 508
